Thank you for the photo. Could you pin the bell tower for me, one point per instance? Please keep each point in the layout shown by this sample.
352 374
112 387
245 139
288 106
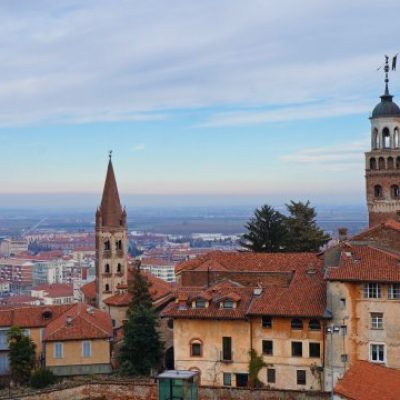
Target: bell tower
382 163
111 241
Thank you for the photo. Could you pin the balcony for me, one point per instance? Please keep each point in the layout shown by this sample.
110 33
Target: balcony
226 356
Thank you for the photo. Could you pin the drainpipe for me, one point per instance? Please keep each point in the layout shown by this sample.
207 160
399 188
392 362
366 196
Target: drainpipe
323 353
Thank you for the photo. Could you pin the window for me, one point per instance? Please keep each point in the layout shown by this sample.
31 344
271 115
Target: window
107 245
297 349
268 347
297 323
86 348
394 291
376 320
170 324
375 139
394 192
315 350
314 325
301 377
381 163
271 375
343 302
227 379
107 268
227 304
378 193
107 287
58 350
118 244
372 291
390 163
386 138
227 348
242 380
377 352
372 163
266 322
200 303
196 348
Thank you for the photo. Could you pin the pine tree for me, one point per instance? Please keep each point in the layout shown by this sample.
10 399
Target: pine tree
21 355
303 234
141 349
266 231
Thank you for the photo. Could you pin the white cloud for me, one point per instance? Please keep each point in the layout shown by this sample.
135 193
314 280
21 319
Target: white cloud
138 147
339 157
116 60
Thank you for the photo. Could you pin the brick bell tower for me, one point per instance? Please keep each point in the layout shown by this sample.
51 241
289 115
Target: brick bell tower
382 163
111 241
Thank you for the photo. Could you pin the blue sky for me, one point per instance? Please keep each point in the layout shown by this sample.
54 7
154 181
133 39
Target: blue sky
225 101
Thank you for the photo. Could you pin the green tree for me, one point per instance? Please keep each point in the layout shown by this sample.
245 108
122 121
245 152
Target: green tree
256 363
21 355
303 234
266 231
141 349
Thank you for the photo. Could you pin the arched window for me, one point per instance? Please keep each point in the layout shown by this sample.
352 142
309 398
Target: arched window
396 138
118 244
107 287
375 139
381 163
119 268
297 323
196 348
314 325
107 268
394 192
107 245
378 193
386 138
398 162
372 163
390 163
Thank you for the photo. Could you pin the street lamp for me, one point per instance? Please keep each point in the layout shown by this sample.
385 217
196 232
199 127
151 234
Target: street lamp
331 330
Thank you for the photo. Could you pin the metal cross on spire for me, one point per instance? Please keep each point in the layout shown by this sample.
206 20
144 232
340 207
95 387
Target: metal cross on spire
110 154
386 69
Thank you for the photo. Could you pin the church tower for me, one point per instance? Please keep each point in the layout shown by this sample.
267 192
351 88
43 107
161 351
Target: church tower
383 161
111 242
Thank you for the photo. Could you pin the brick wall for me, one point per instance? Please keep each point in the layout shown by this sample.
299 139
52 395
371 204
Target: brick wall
147 390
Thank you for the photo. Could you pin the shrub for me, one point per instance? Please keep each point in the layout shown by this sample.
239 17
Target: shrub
41 378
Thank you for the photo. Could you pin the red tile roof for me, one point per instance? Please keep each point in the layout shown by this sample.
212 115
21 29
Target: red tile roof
159 290
300 291
80 322
367 381
31 316
89 290
56 290
389 224
365 264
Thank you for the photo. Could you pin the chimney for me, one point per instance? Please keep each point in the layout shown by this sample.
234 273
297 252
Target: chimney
69 320
342 234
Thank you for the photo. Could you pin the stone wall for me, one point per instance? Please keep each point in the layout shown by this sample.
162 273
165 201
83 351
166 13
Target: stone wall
147 390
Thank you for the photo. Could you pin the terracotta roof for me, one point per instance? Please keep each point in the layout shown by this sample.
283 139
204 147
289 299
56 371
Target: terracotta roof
89 290
156 261
30 316
389 224
292 283
56 290
367 381
80 322
159 290
19 300
110 207
365 264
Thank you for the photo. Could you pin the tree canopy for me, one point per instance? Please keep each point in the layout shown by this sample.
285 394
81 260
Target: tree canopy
21 355
141 350
270 231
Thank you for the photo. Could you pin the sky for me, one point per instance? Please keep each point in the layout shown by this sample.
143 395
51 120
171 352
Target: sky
201 102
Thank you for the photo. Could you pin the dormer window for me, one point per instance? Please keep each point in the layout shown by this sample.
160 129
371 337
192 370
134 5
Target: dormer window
199 303
227 304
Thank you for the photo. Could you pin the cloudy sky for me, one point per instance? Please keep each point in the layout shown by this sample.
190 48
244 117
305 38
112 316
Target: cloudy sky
211 99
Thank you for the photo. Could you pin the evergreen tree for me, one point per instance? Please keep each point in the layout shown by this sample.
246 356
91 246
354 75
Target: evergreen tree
303 234
21 355
141 349
266 231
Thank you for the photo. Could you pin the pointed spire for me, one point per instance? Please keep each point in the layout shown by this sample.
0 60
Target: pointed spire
110 207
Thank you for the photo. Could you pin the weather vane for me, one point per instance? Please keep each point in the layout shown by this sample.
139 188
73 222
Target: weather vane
386 69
